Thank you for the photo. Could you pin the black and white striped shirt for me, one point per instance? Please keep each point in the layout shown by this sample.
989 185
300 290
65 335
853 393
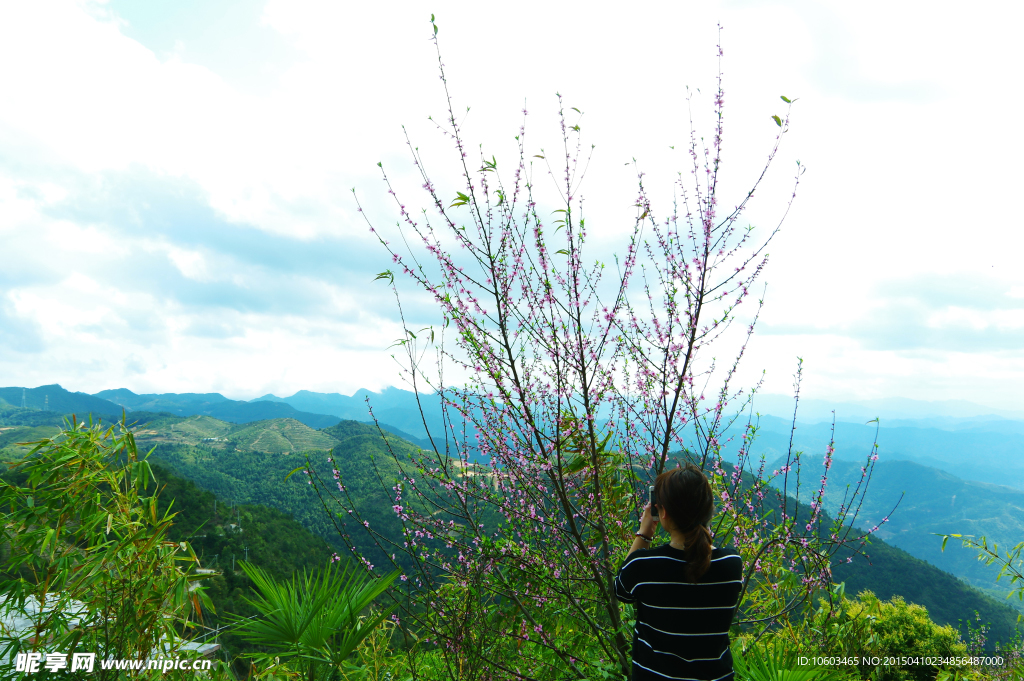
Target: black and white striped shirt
682 629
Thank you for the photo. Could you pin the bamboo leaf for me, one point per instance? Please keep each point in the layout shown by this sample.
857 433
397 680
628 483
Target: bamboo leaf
300 468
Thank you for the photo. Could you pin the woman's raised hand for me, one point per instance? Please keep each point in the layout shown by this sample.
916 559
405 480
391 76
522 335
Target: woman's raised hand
648 523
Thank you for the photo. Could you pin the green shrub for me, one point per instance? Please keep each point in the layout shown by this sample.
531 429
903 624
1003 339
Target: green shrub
778 660
870 628
88 559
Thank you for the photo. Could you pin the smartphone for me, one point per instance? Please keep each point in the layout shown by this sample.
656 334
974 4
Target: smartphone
654 501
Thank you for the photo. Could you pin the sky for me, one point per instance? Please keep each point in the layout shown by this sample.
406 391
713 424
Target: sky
176 176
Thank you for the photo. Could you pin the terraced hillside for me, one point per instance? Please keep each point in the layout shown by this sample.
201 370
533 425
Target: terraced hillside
11 436
188 430
280 436
273 436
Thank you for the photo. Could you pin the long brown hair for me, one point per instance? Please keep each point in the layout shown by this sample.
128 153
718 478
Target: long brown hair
685 493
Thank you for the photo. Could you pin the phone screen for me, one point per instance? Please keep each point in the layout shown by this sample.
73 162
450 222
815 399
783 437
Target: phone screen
654 501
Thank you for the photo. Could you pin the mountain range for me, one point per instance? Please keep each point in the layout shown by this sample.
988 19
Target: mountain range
971 446
316 410
985 451
953 469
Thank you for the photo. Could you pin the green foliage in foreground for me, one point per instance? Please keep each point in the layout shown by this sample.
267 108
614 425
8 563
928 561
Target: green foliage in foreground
13 439
88 558
1009 562
312 622
865 627
890 629
778 660
862 629
96 533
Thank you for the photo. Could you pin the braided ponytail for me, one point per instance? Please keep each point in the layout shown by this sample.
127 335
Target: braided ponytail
686 495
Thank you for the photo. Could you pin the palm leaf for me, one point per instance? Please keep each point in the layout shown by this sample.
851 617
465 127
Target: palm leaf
777 661
315 616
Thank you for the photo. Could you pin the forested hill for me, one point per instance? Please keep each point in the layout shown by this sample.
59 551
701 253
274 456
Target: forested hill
248 464
368 470
220 531
889 571
53 401
236 466
54 398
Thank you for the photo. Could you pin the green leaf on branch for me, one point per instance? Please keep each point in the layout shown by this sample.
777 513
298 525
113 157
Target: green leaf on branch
778 121
786 99
294 472
46 540
386 274
460 200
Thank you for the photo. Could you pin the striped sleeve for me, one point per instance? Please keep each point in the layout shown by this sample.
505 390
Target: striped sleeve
625 580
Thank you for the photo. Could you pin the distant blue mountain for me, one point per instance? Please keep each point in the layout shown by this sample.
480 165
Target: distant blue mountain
989 452
392 406
946 414
972 446
916 441
132 401
215 405
57 399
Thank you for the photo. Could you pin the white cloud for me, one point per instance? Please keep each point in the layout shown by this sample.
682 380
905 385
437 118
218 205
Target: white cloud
190 263
906 120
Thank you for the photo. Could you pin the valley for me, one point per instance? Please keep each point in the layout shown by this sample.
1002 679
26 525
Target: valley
248 463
